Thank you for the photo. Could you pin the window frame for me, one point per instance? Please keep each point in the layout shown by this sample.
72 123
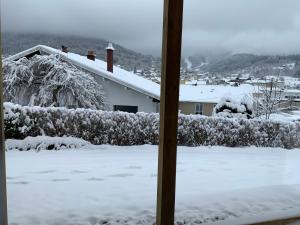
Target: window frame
200 107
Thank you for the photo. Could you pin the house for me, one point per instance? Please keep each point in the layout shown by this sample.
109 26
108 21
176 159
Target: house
266 83
126 91
291 94
290 98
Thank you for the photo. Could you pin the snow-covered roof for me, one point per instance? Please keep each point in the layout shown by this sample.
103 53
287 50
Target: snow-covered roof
188 93
196 82
99 67
213 93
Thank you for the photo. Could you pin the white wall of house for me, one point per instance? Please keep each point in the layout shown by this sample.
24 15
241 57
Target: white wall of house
116 94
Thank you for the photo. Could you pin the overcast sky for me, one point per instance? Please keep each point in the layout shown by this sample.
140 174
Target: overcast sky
254 26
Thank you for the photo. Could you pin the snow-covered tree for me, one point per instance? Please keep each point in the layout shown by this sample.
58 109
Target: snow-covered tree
231 108
268 98
47 80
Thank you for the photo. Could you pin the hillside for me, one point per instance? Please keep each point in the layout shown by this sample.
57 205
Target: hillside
149 66
13 43
256 65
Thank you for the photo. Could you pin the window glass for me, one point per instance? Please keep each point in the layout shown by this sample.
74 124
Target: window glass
199 108
126 108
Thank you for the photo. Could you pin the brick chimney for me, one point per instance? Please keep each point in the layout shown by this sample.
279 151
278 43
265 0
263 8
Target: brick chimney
64 49
110 57
91 55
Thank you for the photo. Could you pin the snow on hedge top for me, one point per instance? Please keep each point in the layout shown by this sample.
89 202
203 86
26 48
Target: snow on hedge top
45 143
188 93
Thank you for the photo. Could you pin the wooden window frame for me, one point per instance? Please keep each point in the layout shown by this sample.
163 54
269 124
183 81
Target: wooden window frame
169 101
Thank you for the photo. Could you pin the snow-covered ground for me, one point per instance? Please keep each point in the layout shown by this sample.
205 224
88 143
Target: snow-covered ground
117 185
286 117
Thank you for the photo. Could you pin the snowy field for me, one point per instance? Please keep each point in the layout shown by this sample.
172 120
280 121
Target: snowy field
117 185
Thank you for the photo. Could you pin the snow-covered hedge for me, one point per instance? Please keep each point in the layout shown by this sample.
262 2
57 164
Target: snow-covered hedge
45 143
119 128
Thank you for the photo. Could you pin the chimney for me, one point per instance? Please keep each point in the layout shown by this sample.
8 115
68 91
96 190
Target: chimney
64 49
110 57
91 55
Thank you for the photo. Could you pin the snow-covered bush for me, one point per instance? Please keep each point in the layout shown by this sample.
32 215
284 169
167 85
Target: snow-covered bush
120 128
17 123
230 108
46 80
45 143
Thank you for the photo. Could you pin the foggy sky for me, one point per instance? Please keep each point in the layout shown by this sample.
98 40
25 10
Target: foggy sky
210 26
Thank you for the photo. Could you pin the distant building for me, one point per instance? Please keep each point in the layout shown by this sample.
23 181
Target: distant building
290 98
265 83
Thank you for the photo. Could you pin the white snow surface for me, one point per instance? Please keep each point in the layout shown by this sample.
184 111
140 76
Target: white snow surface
286 117
117 185
214 93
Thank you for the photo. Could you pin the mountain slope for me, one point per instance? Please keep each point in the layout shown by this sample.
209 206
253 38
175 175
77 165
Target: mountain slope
257 65
149 66
13 43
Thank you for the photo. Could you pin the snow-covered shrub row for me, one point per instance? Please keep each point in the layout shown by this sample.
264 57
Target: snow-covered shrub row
119 128
96 126
45 143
